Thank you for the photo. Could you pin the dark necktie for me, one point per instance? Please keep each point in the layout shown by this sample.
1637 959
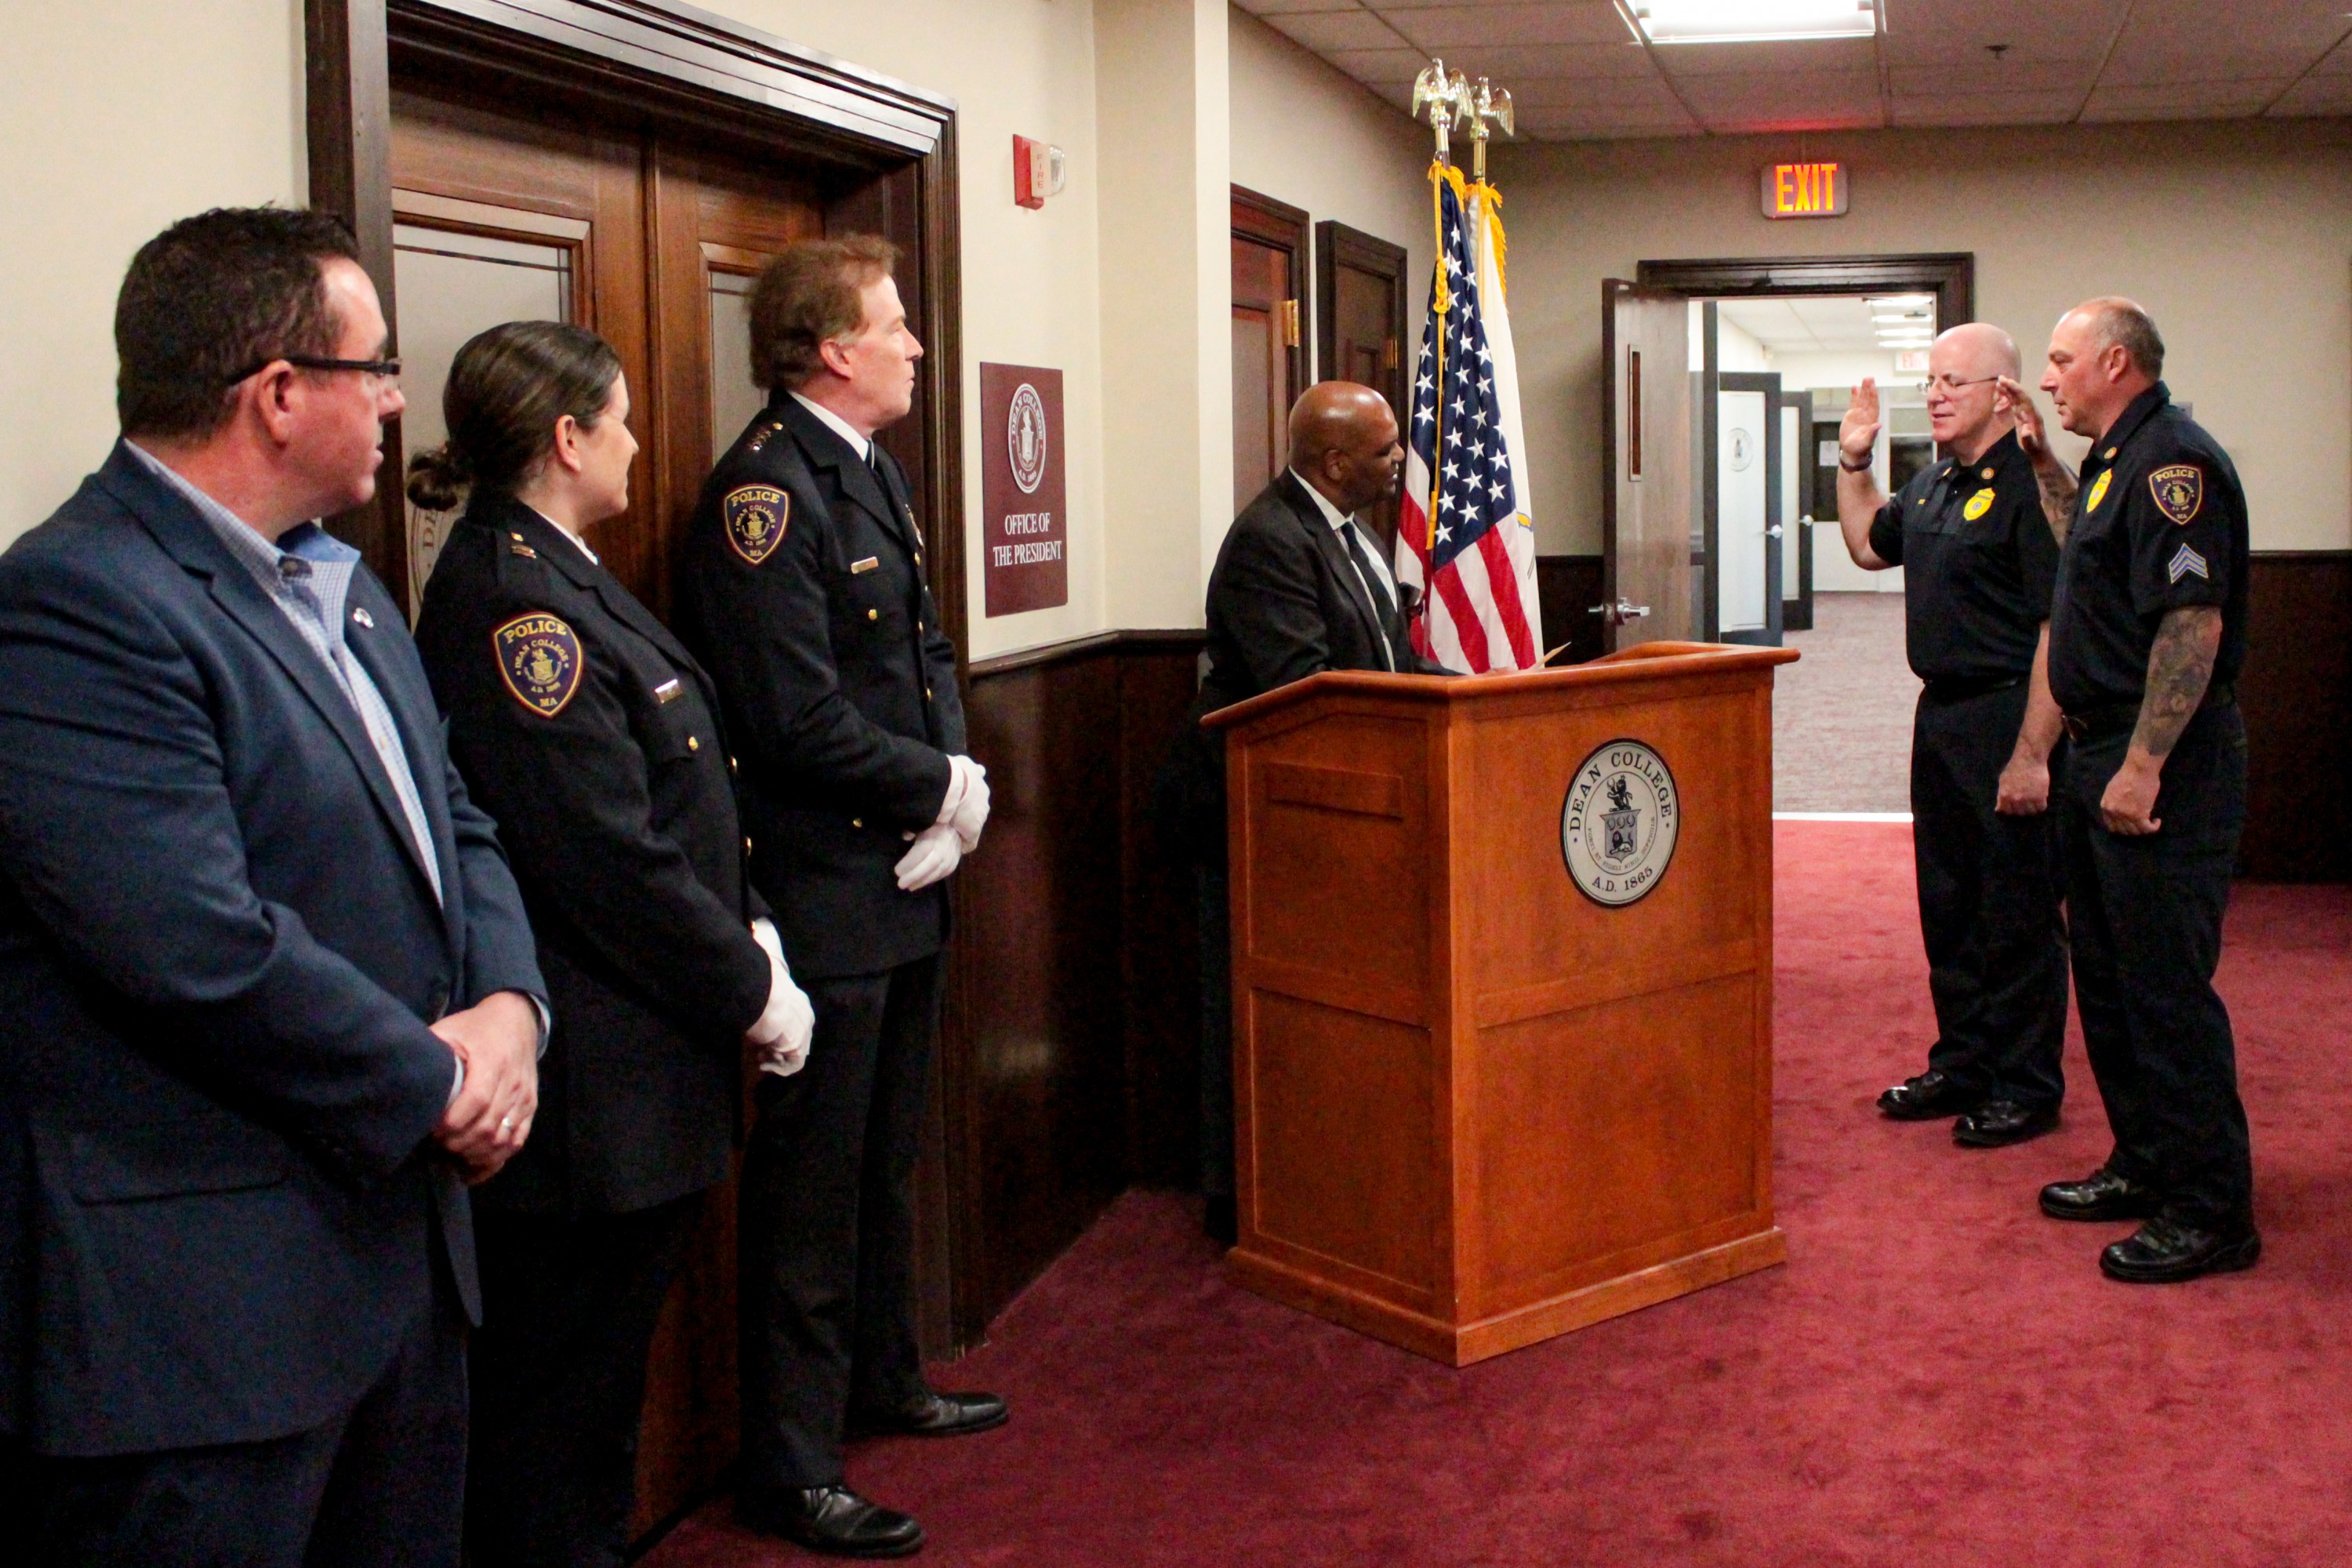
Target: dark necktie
1384 608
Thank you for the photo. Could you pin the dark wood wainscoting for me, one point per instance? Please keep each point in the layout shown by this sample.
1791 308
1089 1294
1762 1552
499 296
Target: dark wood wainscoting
2297 695
1568 587
1073 1033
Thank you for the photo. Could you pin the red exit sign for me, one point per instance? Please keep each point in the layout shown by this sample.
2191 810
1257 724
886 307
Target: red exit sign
1805 190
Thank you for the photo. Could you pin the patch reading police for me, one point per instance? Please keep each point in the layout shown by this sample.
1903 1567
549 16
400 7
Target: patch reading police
1620 823
539 658
2180 490
755 517
2098 489
1979 504
2187 562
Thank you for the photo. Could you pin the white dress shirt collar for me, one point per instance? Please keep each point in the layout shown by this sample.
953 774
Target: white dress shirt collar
840 427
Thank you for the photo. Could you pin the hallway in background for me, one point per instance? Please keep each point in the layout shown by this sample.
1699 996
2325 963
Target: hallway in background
1841 714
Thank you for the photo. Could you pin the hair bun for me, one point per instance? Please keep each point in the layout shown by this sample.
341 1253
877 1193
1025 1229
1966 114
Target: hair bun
438 476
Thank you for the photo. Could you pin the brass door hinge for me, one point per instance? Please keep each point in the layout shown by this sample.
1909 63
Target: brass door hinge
1388 353
1290 323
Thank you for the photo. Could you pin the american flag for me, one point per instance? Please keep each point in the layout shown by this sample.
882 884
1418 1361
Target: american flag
1465 539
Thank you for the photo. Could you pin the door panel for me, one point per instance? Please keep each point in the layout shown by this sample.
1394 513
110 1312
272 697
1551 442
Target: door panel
1269 257
1646 478
503 218
1746 529
1360 296
1796 415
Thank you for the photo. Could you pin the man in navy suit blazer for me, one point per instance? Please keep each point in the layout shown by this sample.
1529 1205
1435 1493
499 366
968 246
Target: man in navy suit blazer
267 995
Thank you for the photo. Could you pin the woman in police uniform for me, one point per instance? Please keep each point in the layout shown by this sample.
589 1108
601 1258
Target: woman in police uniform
592 736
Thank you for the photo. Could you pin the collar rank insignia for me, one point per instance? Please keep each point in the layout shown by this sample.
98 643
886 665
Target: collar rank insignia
2180 490
755 516
2186 563
539 658
2098 491
1979 504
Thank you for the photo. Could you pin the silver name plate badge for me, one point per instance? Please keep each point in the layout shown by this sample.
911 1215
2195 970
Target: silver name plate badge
1620 822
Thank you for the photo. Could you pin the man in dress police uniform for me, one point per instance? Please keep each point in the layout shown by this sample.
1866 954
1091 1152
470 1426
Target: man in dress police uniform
804 592
2147 633
1979 562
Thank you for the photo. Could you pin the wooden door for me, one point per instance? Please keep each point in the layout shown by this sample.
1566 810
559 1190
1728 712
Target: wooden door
1269 254
499 218
1646 471
1360 295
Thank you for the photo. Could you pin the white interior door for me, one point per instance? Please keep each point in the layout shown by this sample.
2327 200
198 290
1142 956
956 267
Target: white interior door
1741 430
1794 535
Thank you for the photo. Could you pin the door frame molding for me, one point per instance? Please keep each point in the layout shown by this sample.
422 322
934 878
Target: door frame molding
1950 276
657 60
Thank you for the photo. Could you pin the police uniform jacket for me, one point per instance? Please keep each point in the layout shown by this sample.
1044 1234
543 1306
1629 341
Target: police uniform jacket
592 736
802 587
2159 523
220 957
1979 567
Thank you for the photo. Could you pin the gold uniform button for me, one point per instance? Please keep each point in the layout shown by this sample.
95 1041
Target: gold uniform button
856 822
873 614
692 744
747 846
926 694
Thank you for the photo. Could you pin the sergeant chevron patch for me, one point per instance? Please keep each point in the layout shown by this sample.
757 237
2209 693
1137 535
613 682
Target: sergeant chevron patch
2185 561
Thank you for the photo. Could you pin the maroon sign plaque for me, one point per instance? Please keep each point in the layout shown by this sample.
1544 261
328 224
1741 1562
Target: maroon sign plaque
1024 530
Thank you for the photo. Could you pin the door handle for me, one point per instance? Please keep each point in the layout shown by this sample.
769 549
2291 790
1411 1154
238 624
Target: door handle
1618 614
1773 532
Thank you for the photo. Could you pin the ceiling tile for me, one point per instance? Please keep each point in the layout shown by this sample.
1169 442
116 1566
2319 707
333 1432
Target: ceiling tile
1823 92
1451 26
1320 30
1378 67
1985 109
2317 95
2182 100
1929 30
1569 92
1510 64
2171 63
1990 76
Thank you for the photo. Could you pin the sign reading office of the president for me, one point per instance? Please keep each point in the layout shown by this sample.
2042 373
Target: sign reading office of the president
1024 530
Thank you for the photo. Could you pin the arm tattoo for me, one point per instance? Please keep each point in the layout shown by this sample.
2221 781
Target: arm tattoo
2058 487
2179 668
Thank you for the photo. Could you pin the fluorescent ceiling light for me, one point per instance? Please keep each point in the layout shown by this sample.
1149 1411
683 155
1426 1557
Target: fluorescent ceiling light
1751 21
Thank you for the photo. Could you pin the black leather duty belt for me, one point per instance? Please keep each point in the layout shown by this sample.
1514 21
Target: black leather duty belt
2121 717
1952 689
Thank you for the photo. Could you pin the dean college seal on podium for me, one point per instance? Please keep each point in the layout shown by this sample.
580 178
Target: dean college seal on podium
1619 824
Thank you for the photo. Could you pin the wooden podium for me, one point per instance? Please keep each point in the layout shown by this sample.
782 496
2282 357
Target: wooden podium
1479 1102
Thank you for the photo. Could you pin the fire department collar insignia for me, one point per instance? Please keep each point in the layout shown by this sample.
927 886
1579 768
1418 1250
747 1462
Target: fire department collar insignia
755 517
2098 489
539 658
2178 489
1620 823
1979 504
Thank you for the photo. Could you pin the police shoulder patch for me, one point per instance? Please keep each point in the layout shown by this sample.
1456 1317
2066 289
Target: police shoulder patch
2098 489
539 658
1979 504
755 516
2178 489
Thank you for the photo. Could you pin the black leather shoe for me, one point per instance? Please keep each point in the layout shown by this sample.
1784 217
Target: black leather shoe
833 1519
1926 1098
1997 1123
2101 1195
932 1415
2164 1251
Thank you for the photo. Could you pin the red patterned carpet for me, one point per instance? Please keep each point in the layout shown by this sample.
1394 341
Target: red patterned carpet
1937 1375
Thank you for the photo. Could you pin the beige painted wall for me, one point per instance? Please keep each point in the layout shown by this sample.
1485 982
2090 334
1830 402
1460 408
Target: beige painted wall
2236 236
117 118
1306 134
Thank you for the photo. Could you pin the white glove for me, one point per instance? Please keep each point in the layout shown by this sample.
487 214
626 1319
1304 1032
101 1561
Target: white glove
933 855
966 805
784 1028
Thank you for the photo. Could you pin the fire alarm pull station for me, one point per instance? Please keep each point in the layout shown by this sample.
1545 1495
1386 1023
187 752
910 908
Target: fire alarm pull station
1038 171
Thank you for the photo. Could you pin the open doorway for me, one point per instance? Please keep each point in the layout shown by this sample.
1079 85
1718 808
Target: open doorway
1842 715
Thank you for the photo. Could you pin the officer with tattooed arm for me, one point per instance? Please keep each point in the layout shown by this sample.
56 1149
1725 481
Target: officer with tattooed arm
2147 633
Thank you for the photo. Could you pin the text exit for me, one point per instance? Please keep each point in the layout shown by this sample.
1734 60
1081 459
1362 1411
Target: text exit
1805 190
